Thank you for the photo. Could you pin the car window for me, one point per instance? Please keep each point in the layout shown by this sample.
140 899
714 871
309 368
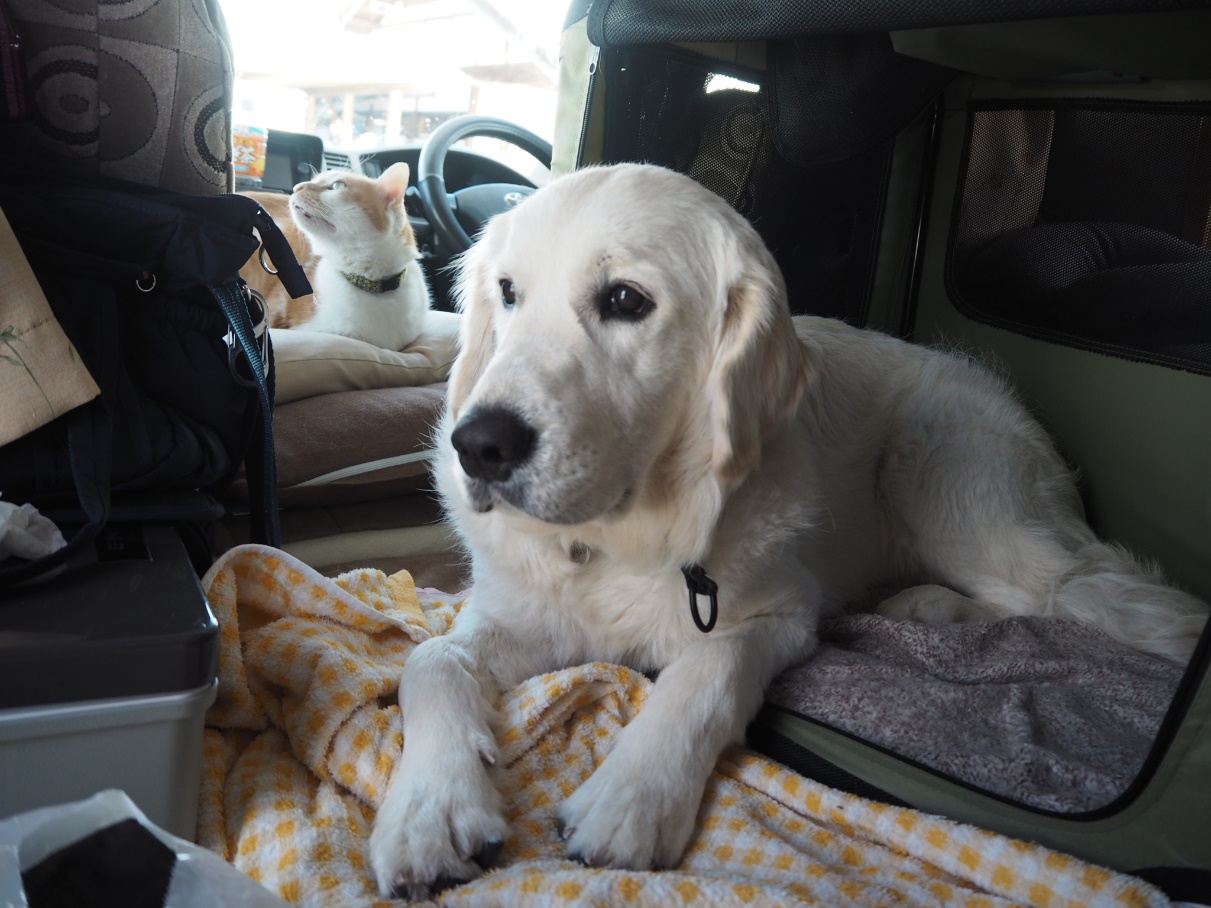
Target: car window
370 74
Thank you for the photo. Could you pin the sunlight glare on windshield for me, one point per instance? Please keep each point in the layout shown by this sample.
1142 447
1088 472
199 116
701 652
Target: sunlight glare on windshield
366 74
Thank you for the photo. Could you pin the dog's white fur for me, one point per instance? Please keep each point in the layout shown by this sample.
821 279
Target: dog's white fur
806 470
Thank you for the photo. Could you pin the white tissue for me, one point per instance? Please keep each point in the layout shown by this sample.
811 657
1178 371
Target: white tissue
25 533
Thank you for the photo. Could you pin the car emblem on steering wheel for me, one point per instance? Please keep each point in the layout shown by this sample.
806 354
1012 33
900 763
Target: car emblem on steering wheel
513 199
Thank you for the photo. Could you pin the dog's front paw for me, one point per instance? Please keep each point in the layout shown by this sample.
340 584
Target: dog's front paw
435 830
628 820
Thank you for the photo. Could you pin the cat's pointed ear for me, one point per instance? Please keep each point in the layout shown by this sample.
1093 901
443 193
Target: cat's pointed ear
394 182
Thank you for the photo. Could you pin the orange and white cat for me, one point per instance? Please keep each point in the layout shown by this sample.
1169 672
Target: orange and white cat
352 235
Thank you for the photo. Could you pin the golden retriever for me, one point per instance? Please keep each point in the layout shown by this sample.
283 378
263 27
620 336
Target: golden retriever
634 417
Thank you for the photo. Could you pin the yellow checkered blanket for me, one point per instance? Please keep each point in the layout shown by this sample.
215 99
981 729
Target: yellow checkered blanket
303 737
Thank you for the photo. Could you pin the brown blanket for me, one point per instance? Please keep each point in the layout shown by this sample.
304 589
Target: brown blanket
1044 711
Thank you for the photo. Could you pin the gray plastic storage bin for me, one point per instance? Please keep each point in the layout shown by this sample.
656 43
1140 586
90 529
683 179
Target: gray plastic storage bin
106 672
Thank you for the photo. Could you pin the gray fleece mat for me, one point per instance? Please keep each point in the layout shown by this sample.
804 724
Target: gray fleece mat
1047 712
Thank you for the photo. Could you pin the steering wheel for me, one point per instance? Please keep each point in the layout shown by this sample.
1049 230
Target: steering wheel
454 216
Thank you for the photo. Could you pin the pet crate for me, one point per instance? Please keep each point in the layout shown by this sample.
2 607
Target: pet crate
1029 182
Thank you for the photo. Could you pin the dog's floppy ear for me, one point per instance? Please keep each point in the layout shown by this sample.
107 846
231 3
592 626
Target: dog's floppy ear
760 372
477 335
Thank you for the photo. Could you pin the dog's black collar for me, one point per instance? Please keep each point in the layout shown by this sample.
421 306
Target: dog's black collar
700 584
371 285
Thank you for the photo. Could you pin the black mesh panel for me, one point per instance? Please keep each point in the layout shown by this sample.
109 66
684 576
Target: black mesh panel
834 97
1089 224
821 222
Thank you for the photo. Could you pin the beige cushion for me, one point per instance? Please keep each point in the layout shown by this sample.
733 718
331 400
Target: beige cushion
310 363
353 445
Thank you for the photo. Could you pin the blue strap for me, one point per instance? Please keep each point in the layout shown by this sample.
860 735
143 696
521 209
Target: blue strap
261 461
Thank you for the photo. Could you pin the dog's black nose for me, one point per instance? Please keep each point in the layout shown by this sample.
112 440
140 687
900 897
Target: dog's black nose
491 444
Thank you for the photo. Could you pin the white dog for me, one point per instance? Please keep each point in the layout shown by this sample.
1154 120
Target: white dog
634 416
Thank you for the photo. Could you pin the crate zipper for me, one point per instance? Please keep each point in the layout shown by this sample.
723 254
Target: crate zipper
594 58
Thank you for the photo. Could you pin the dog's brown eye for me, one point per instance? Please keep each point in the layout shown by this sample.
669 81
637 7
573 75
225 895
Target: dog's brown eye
508 293
625 302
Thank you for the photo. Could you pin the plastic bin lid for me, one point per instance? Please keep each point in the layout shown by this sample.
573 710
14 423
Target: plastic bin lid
127 618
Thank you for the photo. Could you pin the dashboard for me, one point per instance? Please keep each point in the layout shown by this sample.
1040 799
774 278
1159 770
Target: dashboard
292 157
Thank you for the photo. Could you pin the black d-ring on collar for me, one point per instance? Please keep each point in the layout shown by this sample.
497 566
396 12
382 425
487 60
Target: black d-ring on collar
700 584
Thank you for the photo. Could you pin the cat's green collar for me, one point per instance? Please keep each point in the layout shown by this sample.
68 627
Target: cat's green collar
370 285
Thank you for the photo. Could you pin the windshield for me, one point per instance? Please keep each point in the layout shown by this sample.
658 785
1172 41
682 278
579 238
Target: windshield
368 74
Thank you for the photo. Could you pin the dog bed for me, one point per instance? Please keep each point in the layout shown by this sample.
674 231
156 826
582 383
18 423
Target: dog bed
353 428
305 733
353 422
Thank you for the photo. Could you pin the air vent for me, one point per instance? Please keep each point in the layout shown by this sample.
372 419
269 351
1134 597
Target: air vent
338 160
